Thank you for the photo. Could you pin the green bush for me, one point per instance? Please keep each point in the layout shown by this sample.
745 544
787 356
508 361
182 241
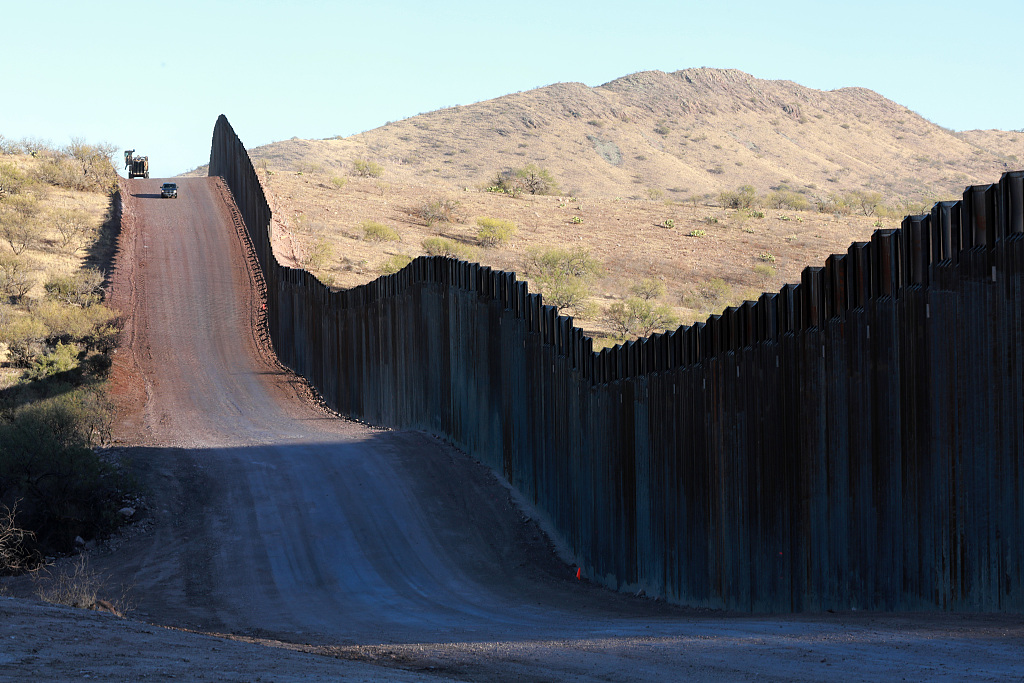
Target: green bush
835 204
319 255
787 199
47 463
669 223
530 179
716 289
869 203
764 271
743 198
494 231
63 358
767 256
25 337
567 294
441 246
563 276
83 288
93 164
698 233
395 264
339 183
71 323
709 295
639 317
378 232
367 169
648 289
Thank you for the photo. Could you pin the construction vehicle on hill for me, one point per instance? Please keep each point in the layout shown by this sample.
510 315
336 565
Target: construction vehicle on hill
138 167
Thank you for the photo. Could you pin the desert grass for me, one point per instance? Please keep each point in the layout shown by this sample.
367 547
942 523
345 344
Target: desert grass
76 584
47 256
628 236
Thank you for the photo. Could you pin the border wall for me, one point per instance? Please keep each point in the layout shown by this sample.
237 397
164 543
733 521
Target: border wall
853 441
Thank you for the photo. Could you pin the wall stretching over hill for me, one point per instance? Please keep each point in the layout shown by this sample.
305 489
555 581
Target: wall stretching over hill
853 441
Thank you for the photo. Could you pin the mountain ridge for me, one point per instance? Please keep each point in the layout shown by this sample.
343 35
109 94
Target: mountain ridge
688 132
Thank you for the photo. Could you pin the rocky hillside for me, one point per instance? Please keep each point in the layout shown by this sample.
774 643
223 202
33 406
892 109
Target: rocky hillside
691 132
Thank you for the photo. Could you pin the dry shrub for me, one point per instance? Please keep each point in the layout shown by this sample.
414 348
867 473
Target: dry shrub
15 276
319 255
83 288
13 180
13 553
440 210
81 166
73 226
78 585
18 224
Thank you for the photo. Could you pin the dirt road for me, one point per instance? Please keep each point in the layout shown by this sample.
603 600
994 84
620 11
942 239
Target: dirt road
272 521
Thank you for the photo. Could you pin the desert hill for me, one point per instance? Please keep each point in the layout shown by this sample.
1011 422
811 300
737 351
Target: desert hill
641 162
691 132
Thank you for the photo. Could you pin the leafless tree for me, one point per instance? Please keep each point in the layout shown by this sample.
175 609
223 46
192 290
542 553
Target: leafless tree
73 226
12 540
18 225
15 277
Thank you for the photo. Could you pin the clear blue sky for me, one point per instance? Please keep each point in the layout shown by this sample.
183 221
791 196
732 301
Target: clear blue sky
155 75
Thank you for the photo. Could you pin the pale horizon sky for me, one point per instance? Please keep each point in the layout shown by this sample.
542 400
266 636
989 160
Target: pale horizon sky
155 76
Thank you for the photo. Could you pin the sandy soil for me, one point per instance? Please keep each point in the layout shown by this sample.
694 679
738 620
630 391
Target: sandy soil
281 543
54 643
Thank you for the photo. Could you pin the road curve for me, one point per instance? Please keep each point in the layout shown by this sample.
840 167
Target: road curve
269 517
